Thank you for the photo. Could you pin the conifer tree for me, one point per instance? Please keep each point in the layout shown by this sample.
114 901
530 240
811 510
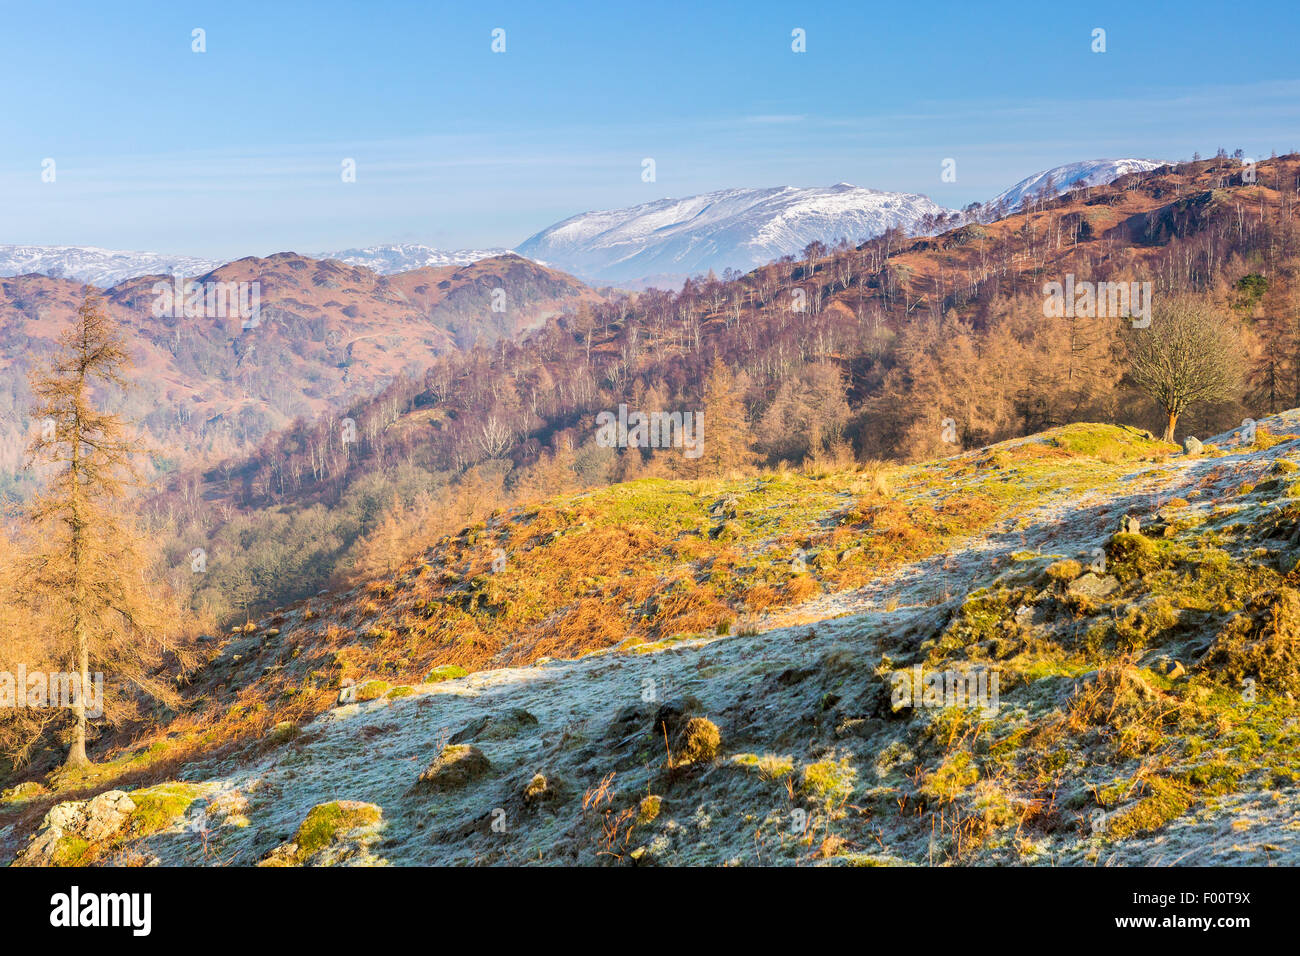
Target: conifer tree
88 570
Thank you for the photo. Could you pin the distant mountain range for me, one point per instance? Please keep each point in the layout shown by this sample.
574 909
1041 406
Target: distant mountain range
99 267
656 242
108 267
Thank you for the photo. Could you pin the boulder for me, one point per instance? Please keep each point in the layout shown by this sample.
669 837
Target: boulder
1192 446
71 830
496 726
455 767
1092 585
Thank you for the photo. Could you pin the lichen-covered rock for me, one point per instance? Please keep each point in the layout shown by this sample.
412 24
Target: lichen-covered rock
23 791
1093 585
1192 446
497 726
70 832
336 833
455 767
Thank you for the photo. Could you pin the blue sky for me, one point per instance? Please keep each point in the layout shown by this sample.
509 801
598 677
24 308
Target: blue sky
238 150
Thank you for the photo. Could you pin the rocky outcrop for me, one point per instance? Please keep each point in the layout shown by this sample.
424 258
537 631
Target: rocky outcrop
71 831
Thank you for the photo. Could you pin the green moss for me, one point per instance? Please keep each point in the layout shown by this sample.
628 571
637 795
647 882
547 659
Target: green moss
697 742
372 690
283 732
327 820
157 807
1064 571
1131 556
648 810
1165 802
1215 777
1262 643
444 672
1109 443
950 778
536 788
71 851
768 766
828 780
455 766
403 690
23 792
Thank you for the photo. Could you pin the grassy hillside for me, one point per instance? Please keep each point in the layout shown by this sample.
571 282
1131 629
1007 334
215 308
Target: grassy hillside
687 672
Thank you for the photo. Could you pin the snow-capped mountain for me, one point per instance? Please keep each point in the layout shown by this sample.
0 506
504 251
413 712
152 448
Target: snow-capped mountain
737 228
1092 172
99 267
405 256
108 267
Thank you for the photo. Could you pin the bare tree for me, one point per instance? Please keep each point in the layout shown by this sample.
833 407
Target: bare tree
1187 355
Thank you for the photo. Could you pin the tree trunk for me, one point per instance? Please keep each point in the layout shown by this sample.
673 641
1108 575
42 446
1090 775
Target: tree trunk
1169 428
77 752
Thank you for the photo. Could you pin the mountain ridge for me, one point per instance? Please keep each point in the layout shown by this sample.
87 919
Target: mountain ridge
642 243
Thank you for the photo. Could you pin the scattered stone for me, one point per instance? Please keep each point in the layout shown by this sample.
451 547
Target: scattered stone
348 692
454 768
1170 668
1092 585
725 507
1130 525
496 726
672 715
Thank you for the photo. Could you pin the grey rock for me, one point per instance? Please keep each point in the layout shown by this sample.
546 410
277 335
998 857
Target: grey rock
1093 585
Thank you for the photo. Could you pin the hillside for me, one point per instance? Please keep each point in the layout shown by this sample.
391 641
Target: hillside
682 672
329 334
854 352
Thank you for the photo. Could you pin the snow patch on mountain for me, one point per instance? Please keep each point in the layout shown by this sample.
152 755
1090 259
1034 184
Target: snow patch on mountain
1091 172
391 258
736 228
107 267
98 267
